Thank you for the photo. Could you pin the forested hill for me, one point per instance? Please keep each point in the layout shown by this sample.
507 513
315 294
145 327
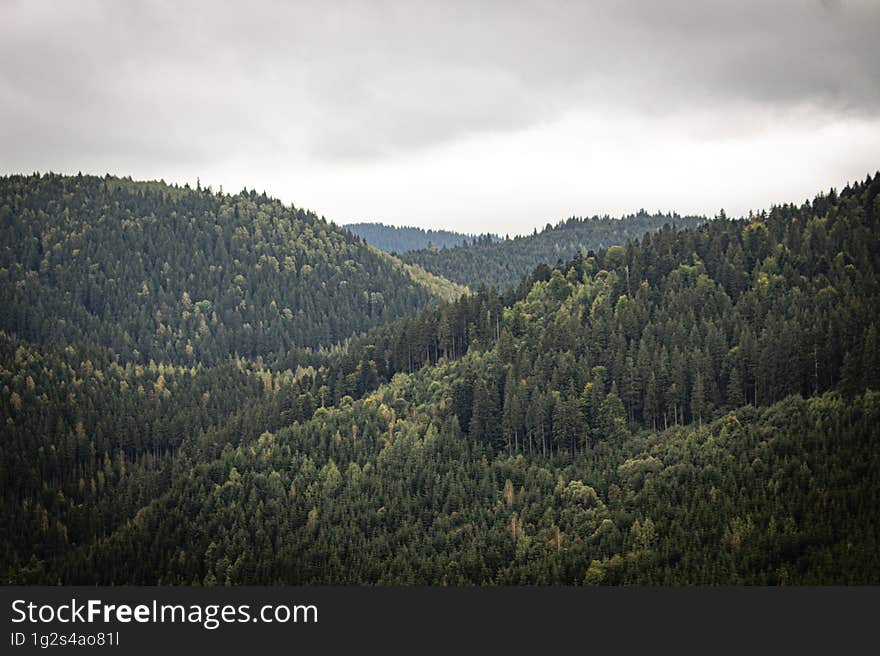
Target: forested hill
503 263
695 407
180 275
401 239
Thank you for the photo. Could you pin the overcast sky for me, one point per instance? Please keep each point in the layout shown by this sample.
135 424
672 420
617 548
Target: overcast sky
476 116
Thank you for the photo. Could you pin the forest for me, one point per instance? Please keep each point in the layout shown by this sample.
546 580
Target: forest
691 402
502 263
402 239
179 275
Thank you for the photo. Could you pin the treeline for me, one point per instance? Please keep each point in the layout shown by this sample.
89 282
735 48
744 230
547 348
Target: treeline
402 239
185 276
502 264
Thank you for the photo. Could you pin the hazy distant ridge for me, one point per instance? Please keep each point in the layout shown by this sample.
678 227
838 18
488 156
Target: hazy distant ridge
401 239
503 263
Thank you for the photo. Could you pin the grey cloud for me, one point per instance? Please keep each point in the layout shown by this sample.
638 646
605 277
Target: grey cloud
197 81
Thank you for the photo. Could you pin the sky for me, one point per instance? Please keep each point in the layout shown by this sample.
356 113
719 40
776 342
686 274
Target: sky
471 116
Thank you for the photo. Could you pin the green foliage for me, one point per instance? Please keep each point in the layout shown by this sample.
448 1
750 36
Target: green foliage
503 263
437 286
188 276
763 497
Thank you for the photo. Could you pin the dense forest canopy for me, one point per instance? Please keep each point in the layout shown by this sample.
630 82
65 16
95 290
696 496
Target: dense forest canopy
401 239
171 274
697 405
503 263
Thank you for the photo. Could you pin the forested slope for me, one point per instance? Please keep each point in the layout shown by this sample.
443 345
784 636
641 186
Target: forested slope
86 441
159 272
700 406
389 491
401 239
502 264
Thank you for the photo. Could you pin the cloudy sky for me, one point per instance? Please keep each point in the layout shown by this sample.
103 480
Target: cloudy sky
476 116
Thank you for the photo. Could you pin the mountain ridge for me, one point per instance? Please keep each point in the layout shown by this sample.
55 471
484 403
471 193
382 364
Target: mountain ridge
401 239
503 263
223 274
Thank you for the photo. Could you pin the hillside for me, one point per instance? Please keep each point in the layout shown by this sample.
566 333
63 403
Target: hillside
781 495
503 263
437 286
699 406
187 276
402 239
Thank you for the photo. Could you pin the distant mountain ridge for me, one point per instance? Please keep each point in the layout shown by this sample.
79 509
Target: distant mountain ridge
503 263
402 239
